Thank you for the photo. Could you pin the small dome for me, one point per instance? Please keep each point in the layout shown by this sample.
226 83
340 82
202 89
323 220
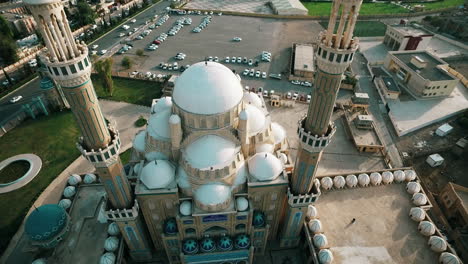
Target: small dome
258 219
243 115
265 166
315 226
387 177
40 2
278 132
136 168
252 99
190 246
185 208
225 243
375 178
39 261
437 244
419 199
256 119
207 244
339 182
320 241
242 241
399 175
213 194
107 258
265 148
163 104
413 187
426 228
89 178
157 174
207 88
242 204
69 191
417 214
174 119
65 203
448 258
325 256
45 222
113 229
170 226
158 125
74 179
311 212
327 183
363 179
139 142
155 155
351 181
410 175
111 244
210 151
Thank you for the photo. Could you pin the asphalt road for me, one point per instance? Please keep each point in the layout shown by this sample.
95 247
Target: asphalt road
32 89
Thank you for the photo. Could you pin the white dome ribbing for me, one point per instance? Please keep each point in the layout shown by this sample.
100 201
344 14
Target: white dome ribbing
363 179
157 174
437 244
351 181
417 214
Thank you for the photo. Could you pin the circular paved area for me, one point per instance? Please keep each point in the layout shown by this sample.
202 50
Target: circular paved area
35 166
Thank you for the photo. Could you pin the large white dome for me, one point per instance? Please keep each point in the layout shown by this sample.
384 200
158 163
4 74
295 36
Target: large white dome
212 194
265 166
210 151
256 119
207 89
157 174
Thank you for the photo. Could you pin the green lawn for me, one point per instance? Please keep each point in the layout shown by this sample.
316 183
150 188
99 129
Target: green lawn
365 28
323 9
441 4
130 90
14 171
53 139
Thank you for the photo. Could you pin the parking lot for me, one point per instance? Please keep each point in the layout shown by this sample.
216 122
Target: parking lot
258 34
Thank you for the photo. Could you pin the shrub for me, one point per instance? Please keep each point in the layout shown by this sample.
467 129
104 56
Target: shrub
140 122
127 62
140 52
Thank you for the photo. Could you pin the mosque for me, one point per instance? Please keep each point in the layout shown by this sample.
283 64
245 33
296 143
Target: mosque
211 179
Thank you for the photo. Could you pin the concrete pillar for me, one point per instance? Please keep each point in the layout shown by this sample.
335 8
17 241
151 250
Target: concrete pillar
61 54
176 135
332 22
339 32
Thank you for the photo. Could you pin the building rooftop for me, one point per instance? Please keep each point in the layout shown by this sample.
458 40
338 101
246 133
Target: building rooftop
382 233
430 71
362 137
390 84
304 57
411 30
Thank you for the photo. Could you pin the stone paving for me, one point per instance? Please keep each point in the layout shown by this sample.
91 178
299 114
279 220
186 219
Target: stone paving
242 6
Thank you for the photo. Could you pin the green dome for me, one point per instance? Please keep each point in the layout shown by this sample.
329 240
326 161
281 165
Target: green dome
47 83
45 222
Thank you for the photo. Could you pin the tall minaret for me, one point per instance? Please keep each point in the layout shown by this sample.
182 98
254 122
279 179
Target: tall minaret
335 52
68 64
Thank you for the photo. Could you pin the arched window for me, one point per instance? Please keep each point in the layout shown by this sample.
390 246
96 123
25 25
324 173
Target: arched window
240 226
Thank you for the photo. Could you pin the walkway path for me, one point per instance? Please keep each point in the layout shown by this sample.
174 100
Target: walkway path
123 116
35 165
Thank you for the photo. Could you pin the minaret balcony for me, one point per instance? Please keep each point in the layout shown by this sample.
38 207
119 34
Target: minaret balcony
314 143
102 157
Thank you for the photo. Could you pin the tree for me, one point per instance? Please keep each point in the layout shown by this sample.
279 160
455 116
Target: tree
85 15
5 29
8 50
104 70
127 62
140 52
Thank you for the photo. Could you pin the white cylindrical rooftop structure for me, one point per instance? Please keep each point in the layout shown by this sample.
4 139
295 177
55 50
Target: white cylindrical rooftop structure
339 182
387 177
242 204
426 228
311 212
320 241
69 191
107 258
375 178
419 199
65 203
437 244
74 179
89 178
327 183
410 175
363 179
448 258
417 214
325 256
113 229
399 175
111 244
315 226
351 181
39 261
413 187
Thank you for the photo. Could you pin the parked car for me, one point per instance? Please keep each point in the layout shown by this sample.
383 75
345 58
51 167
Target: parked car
275 76
288 95
95 46
16 99
296 82
309 97
239 60
295 96
103 52
250 62
257 74
307 84
237 39
265 93
233 59
264 75
246 72
133 20
252 73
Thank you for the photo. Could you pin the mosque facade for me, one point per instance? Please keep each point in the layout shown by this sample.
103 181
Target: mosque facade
210 178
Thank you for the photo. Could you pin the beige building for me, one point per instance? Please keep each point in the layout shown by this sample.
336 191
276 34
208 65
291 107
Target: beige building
302 66
422 74
406 37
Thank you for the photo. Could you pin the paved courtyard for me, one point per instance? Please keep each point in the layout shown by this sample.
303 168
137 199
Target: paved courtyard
243 6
